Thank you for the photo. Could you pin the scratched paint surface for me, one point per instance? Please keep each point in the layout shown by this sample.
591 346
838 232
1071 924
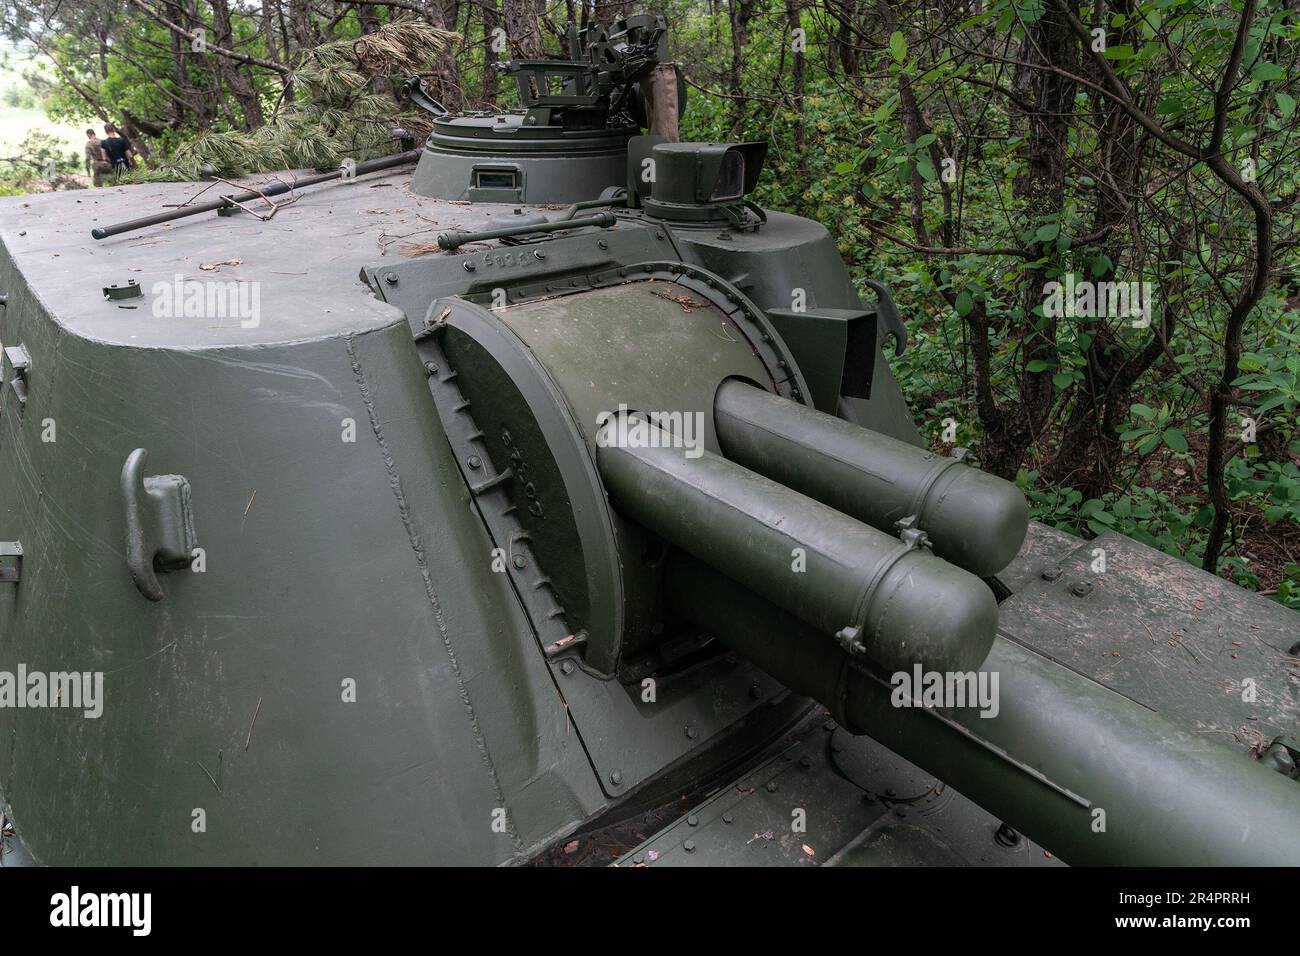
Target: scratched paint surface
305 259
1172 637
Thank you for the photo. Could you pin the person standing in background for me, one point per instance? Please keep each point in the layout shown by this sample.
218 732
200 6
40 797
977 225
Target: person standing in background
116 150
95 165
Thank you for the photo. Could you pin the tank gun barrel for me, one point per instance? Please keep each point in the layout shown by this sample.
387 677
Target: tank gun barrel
1074 765
975 520
893 601
1078 767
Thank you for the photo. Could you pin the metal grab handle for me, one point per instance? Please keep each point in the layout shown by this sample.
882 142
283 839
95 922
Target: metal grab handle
413 89
159 524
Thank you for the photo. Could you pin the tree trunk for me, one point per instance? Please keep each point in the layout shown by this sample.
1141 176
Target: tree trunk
304 31
241 86
443 15
523 20
491 22
607 11
1042 191
368 18
845 41
798 81
741 11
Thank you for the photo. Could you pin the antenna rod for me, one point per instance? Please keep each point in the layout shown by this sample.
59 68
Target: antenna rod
273 189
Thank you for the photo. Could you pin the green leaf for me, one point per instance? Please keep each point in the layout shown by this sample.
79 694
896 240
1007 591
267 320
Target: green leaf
898 46
1062 380
1042 365
964 303
926 169
1175 439
1047 233
1265 71
1139 535
1285 104
1121 52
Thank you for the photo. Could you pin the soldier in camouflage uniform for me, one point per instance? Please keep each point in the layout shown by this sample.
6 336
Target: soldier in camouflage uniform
95 165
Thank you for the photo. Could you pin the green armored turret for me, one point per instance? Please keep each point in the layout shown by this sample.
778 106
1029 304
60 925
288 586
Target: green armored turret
570 138
579 515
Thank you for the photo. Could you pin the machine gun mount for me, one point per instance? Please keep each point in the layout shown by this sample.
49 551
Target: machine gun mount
569 138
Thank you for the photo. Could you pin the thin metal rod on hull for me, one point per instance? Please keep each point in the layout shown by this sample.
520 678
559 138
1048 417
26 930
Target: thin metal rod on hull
454 240
271 189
